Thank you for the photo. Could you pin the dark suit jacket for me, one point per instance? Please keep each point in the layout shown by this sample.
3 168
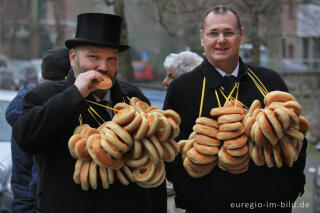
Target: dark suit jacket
217 190
50 115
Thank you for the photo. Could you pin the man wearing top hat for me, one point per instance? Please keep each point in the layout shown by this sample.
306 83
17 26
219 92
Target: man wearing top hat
51 113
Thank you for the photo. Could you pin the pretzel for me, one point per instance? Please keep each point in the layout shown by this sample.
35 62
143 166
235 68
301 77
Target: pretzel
153 120
105 84
274 122
236 143
208 122
199 158
99 155
134 124
124 116
103 173
230 135
144 172
206 150
93 175
206 140
77 168
205 130
238 152
228 118
173 115
277 96
219 111
164 129
84 173
304 125
267 129
228 127
113 139
277 155
122 133
142 130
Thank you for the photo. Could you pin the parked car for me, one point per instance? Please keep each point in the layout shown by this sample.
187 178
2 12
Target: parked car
5 152
6 76
142 71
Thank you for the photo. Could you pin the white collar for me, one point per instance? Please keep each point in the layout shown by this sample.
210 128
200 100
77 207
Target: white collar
107 97
234 73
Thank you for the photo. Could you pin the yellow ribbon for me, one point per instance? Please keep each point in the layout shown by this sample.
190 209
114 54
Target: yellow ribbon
93 116
102 105
263 90
80 119
202 96
95 112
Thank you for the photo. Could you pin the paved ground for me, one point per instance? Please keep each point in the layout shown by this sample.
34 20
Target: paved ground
313 160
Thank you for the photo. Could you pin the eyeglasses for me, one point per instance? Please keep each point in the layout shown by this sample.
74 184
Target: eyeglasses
226 34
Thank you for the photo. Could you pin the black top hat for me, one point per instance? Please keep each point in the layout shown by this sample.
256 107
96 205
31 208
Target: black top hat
98 29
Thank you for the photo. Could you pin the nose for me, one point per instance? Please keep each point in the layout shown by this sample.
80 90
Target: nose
220 37
103 66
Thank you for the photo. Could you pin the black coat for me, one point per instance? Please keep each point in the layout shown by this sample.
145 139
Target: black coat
50 115
216 191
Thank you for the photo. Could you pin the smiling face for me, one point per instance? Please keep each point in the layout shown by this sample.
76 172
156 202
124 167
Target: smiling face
221 39
101 59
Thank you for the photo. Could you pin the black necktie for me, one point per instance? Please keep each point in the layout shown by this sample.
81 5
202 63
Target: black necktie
228 83
103 111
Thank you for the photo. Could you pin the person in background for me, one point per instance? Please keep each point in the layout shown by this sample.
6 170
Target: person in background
55 66
176 64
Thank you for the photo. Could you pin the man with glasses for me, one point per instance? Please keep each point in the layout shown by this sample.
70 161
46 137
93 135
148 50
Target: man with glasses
53 110
195 93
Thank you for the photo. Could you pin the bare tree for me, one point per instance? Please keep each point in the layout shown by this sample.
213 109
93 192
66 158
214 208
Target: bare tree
2 13
126 70
59 28
34 28
256 16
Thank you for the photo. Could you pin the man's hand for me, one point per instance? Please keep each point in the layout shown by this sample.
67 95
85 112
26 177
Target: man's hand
85 82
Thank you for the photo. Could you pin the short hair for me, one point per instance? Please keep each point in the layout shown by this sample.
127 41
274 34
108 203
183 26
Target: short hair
222 10
182 62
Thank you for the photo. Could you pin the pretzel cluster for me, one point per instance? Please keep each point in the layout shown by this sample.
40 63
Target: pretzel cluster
276 132
131 147
199 153
233 155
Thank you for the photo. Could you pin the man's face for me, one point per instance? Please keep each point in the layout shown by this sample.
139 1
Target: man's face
101 59
221 38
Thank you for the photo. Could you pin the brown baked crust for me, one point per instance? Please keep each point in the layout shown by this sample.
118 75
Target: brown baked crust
208 122
219 111
206 130
238 152
226 127
277 96
105 84
229 118
206 150
236 143
199 158
206 140
230 135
